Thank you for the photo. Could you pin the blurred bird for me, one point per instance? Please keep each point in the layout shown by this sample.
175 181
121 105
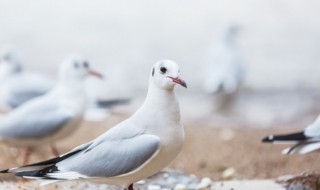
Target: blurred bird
18 86
223 65
303 142
134 149
48 118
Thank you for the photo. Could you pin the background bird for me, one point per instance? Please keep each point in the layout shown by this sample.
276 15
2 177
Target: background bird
223 67
303 142
48 118
17 85
134 149
14 92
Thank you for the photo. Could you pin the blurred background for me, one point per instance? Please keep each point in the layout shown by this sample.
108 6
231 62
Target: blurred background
278 41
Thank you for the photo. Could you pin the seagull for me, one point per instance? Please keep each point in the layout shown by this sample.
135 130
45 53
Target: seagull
303 142
135 149
14 93
17 85
223 64
51 117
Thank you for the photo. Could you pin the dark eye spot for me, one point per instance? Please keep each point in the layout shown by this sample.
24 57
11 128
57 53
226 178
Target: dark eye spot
86 64
163 70
76 65
152 71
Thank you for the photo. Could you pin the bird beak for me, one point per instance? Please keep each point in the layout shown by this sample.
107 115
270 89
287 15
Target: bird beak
96 74
179 81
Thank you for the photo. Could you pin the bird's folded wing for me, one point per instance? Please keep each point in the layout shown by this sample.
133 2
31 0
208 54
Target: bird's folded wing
31 87
109 158
34 123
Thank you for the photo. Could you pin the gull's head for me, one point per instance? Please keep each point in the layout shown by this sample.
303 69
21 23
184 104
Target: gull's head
165 75
10 61
76 68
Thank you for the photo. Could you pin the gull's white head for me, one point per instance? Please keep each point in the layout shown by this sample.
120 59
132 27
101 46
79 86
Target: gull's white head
165 75
76 68
10 61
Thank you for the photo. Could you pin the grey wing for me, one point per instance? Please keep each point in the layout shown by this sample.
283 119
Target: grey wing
18 98
34 123
27 87
110 158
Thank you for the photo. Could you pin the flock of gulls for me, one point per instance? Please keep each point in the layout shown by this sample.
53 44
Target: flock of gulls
42 111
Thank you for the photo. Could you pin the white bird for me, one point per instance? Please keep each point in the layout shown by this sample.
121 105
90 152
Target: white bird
134 149
18 86
48 118
303 142
223 64
14 92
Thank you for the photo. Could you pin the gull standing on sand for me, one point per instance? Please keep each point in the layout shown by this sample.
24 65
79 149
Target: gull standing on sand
134 149
48 118
18 86
223 69
303 142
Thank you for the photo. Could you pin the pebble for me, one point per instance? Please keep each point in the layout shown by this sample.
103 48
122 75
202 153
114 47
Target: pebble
154 187
227 134
180 187
141 182
205 183
229 173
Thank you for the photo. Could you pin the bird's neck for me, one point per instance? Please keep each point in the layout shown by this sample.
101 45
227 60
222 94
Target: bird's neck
162 102
71 93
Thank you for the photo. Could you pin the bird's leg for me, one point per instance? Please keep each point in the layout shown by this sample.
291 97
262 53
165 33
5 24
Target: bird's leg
130 187
27 153
54 150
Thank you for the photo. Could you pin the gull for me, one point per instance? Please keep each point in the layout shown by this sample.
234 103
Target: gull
14 93
303 142
17 85
135 149
223 64
51 117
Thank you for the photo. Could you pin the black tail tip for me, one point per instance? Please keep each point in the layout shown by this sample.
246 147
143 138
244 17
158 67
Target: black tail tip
268 139
4 171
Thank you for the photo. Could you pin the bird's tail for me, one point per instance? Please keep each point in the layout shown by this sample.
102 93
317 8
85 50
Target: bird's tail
302 148
40 170
286 139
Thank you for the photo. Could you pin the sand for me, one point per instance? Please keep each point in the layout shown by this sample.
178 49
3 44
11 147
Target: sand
208 151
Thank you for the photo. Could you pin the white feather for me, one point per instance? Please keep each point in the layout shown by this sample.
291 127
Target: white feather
308 148
67 175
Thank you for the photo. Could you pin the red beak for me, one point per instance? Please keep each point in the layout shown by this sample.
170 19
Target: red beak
96 74
179 81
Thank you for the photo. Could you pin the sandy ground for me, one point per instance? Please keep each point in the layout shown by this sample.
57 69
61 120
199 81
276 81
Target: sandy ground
208 151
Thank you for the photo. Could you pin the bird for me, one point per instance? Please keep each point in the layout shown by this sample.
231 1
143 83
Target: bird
223 64
134 149
50 117
304 142
14 93
17 85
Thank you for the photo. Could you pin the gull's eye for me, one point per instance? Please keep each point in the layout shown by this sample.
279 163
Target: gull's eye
163 70
86 64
